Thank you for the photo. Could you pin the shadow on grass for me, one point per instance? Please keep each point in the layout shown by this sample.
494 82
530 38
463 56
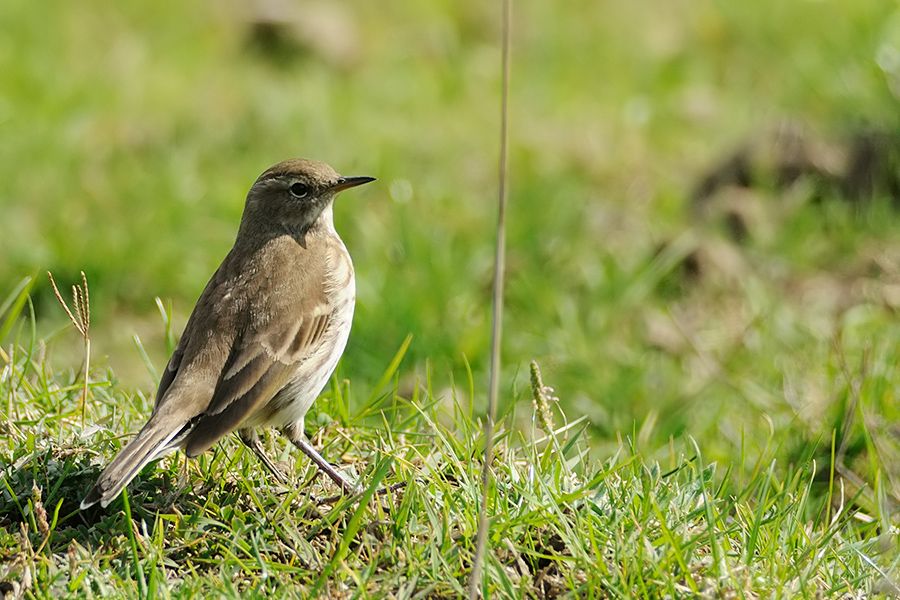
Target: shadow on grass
44 488
42 491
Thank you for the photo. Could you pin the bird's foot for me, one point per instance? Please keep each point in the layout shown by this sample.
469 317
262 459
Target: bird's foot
379 492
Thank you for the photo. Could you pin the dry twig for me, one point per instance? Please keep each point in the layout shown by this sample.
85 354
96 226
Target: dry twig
81 319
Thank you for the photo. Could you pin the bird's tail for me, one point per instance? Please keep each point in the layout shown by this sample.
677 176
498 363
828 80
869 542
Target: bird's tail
153 441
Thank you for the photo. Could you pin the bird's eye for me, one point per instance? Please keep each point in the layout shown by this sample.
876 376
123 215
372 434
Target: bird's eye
299 190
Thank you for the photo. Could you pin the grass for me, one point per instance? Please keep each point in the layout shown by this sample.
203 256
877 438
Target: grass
562 522
732 405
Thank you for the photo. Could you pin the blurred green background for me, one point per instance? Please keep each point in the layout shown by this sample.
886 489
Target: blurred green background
130 133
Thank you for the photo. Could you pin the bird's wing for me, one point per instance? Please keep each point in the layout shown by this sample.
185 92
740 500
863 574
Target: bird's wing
254 373
280 330
192 330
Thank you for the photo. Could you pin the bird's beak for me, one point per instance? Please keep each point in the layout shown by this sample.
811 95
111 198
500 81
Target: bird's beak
348 182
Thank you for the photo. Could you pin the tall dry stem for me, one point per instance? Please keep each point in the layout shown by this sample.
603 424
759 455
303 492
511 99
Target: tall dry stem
475 579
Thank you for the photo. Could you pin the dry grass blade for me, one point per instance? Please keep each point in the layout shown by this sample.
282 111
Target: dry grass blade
62 303
497 303
81 320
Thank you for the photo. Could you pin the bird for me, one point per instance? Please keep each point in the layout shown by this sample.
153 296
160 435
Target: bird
265 335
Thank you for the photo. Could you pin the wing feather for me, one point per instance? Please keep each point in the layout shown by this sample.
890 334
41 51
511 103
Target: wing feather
252 377
169 374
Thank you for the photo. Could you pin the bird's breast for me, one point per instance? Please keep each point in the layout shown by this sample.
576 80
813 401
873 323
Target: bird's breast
313 371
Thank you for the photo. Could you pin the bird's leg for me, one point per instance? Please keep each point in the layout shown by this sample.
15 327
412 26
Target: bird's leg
294 433
183 478
252 441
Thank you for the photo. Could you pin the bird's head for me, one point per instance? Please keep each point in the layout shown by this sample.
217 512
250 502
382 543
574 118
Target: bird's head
295 194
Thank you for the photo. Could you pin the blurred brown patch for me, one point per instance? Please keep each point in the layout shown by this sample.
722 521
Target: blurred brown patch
282 31
862 165
741 213
710 259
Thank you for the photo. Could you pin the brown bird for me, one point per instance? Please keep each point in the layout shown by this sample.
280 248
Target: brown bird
265 335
